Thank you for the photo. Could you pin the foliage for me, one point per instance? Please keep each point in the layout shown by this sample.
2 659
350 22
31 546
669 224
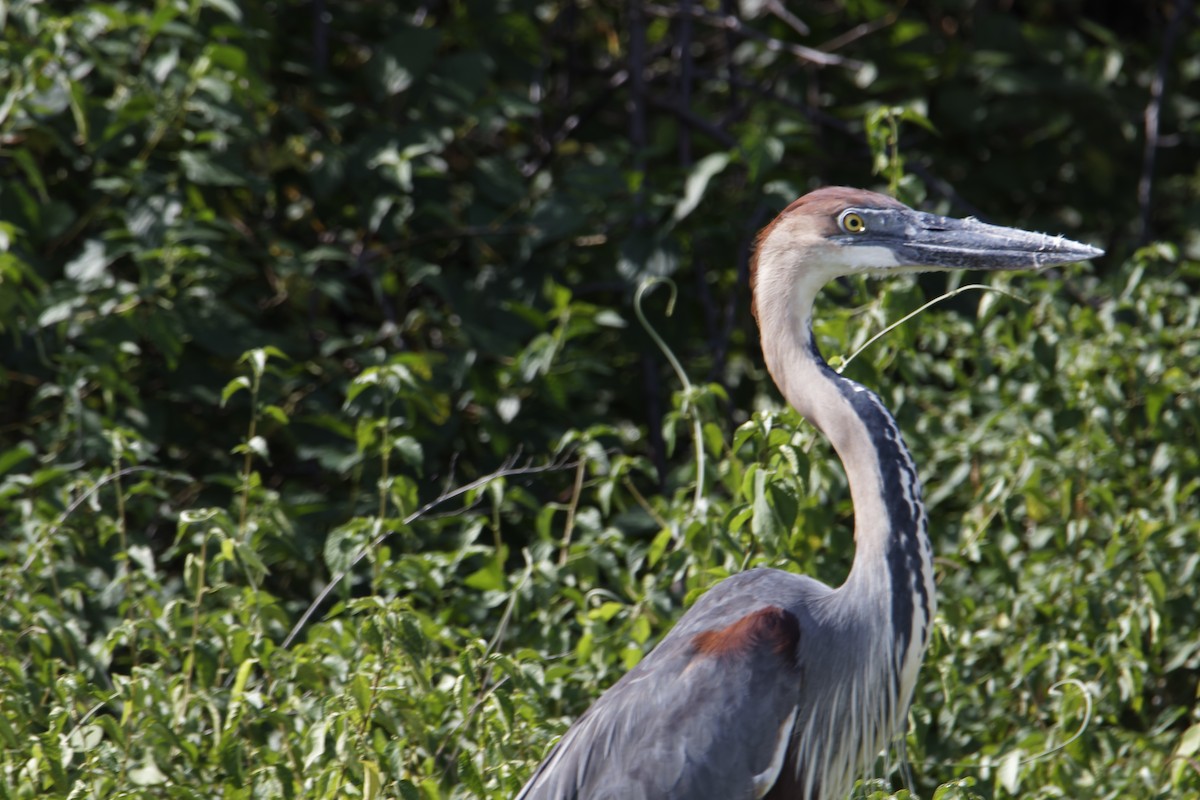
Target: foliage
334 460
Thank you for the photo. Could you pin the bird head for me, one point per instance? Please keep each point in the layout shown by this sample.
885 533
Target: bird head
836 231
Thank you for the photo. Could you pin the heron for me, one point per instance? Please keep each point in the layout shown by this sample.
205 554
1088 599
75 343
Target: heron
775 685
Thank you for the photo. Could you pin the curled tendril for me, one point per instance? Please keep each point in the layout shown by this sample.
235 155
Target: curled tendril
1087 718
1189 760
697 432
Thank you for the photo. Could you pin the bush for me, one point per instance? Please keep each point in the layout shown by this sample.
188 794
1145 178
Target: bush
335 460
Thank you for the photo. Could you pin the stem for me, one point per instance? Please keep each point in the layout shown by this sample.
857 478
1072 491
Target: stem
897 168
508 469
952 293
384 474
571 507
688 391
202 567
122 533
1087 718
645 504
247 456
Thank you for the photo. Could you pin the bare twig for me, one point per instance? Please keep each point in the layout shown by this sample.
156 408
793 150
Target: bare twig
508 469
733 70
645 504
486 689
1183 10
464 232
791 20
320 23
825 120
572 121
683 54
78 501
859 31
693 121
731 23
1056 689
572 507
637 107
736 299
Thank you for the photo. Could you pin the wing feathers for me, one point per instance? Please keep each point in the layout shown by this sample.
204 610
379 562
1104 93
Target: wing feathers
707 715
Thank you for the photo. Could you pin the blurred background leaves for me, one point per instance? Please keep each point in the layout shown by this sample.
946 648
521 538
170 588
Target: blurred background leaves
283 284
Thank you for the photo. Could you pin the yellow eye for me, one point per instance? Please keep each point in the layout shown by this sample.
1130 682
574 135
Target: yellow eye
851 222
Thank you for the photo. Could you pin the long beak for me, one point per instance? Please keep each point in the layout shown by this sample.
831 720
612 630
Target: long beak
943 242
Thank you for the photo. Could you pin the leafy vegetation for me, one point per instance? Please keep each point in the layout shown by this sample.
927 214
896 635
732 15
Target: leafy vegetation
336 461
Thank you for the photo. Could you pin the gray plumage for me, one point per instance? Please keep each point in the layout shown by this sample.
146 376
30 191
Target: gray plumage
774 685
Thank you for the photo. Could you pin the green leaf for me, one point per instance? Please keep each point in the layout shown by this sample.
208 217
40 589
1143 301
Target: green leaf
1009 771
227 7
314 742
33 173
233 387
658 546
606 611
227 56
409 449
490 577
147 774
764 524
1189 743
372 780
203 169
89 268
697 183
403 58
15 455
469 774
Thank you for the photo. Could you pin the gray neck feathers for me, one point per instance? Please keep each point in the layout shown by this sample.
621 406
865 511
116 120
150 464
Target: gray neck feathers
889 595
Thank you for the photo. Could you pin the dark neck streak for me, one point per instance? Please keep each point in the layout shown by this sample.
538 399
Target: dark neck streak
906 550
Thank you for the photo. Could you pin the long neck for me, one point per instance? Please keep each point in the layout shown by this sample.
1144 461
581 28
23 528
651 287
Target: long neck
893 560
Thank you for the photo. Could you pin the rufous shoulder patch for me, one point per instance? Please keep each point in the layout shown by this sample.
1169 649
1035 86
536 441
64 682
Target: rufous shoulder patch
770 627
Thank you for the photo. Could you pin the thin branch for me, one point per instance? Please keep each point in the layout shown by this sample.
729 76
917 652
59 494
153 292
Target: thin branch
953 293
731 23
859 31
486 689
683 54
1145 190
320 23
823 119
691 120
791 20
733 70
637 107
572 121
507 470
1191 762
451 234
645 504
699 502
736 298
77 502
572 507
1055 689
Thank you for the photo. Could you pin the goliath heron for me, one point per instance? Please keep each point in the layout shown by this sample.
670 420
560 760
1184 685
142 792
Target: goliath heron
775 685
